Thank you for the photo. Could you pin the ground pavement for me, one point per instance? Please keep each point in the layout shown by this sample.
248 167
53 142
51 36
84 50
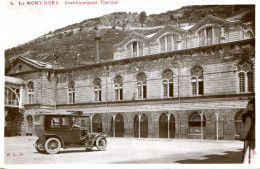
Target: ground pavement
20 150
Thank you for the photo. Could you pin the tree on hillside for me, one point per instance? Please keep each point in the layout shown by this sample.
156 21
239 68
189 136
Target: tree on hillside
143 17
171 18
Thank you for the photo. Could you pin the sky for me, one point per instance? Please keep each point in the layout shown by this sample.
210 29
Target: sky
23 23
26 22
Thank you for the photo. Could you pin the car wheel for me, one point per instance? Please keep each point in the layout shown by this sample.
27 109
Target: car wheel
101 144
39 147
52 145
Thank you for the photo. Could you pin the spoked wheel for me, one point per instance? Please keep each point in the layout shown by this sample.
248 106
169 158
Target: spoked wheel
52 145
39 147
101 144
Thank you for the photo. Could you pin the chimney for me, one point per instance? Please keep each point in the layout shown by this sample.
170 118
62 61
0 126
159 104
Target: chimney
97 54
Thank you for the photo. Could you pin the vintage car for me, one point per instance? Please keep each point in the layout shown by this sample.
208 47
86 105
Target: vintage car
56 131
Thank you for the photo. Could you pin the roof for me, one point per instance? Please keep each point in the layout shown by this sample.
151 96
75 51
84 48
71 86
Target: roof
224 21
36 63
13 80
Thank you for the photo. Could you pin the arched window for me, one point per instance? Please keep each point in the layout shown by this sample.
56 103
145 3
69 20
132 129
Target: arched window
31 92
195 123
197 81
143 126
166 43
164 126
167 82
118 81
245 77
135 49
210 35
97 89
117 127
97 123
71 92
141 86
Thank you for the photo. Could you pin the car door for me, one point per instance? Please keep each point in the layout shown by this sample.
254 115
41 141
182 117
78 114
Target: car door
75 130
65 129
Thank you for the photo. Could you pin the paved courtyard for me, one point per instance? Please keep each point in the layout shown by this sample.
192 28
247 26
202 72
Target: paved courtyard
20 150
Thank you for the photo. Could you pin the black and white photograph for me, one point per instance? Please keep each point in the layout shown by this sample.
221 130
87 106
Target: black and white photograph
129 84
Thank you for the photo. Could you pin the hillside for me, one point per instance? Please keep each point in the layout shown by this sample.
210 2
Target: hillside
75 43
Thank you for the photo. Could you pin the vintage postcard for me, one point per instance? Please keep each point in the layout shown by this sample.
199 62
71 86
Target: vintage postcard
129 83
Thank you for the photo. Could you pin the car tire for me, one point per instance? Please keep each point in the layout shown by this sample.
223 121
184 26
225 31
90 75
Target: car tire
39 147
52 145
101 144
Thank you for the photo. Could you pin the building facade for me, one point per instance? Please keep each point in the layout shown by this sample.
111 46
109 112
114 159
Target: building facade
180 82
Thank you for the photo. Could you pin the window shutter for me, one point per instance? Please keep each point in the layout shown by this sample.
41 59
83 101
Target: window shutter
201 38
128 47
121 94
162 44
144 92
140 45
169 43
209 36
217 34
100 95
171 90
200 87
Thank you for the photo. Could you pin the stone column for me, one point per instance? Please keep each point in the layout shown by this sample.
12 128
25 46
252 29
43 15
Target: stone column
201 116
114 124
21 98
91 117
168 117
179 43
139 130
217 115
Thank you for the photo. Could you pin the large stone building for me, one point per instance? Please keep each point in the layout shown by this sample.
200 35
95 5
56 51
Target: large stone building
180 82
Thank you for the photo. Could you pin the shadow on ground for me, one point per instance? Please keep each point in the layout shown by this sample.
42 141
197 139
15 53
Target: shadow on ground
228 157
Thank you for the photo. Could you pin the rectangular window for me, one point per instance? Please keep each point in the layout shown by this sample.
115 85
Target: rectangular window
96 96
121 94
99 96
201 38
65 122
200 87
165 90
209 36
144 92
128 50
116 94
140 45
55 122
242 83
134 49
31 98
250 84
169 43
139 92
171 90
162 44
194 88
